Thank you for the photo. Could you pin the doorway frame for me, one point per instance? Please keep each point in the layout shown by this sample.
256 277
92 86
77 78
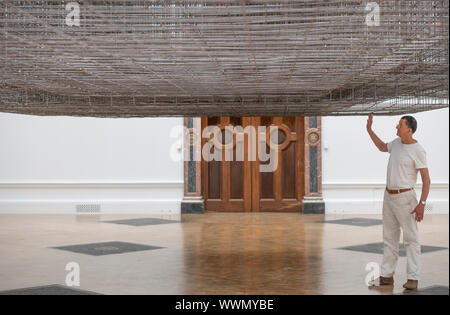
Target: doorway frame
312 203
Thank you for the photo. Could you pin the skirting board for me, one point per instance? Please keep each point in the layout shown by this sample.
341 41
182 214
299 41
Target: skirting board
174 206
367 198
374 207
113 197
166 197
107 206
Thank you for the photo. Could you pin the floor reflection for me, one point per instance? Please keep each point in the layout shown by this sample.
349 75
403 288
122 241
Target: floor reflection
252 253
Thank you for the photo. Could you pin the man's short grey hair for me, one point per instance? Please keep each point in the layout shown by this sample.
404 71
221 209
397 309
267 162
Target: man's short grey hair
411 122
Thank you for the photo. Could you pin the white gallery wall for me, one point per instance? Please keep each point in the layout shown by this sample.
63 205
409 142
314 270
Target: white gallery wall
354 171
54 164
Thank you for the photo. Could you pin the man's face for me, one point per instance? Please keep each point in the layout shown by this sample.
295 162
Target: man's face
402 129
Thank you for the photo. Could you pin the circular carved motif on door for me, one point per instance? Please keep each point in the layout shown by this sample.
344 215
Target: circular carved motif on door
219 138
313 137
280 134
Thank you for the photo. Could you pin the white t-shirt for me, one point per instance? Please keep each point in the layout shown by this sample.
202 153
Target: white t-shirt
404 164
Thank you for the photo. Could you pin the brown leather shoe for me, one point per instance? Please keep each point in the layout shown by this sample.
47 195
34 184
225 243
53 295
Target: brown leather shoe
386 281
411 284
382 281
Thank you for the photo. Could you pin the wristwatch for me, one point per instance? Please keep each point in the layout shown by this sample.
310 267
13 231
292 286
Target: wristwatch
423 202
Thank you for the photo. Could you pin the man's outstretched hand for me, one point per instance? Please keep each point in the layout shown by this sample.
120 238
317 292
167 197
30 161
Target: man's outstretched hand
369 122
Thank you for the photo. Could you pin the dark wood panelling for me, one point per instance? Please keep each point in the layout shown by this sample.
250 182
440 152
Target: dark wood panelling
214 179
289 174
240 186
237 179
266 184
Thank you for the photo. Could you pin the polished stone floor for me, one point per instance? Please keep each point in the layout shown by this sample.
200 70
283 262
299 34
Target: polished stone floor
214 253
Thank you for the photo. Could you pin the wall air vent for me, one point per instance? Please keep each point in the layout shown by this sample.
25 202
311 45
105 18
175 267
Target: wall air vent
88 208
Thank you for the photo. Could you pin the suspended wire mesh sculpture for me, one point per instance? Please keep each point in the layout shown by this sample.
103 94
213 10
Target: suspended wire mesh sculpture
217 57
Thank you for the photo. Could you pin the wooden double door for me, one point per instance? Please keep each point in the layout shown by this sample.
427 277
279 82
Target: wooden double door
268 176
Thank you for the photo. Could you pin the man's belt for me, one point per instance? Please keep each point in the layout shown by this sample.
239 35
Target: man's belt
398 191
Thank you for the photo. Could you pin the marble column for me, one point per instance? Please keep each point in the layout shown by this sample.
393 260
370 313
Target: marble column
193 201
312 201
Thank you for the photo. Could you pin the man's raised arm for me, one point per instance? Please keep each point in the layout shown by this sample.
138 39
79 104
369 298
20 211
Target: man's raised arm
377 141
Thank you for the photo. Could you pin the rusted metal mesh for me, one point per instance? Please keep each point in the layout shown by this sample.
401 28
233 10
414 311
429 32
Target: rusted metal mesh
211 57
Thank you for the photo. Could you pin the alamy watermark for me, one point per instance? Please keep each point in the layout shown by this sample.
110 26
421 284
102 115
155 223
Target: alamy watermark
373 15
73 277
374 273
228 144
73 17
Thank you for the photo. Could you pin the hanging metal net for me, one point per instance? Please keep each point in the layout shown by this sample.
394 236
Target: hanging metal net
217 57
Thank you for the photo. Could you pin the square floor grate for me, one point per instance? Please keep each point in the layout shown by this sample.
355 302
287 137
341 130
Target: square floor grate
142 221
107 248
363 222
54 289
433 290
377 248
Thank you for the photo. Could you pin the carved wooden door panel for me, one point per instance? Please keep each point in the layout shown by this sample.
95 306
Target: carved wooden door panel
226 184
248 183
283 189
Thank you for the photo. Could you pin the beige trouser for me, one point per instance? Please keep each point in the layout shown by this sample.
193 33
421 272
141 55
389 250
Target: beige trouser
397 214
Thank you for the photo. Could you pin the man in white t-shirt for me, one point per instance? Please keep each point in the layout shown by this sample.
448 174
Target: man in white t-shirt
401 209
